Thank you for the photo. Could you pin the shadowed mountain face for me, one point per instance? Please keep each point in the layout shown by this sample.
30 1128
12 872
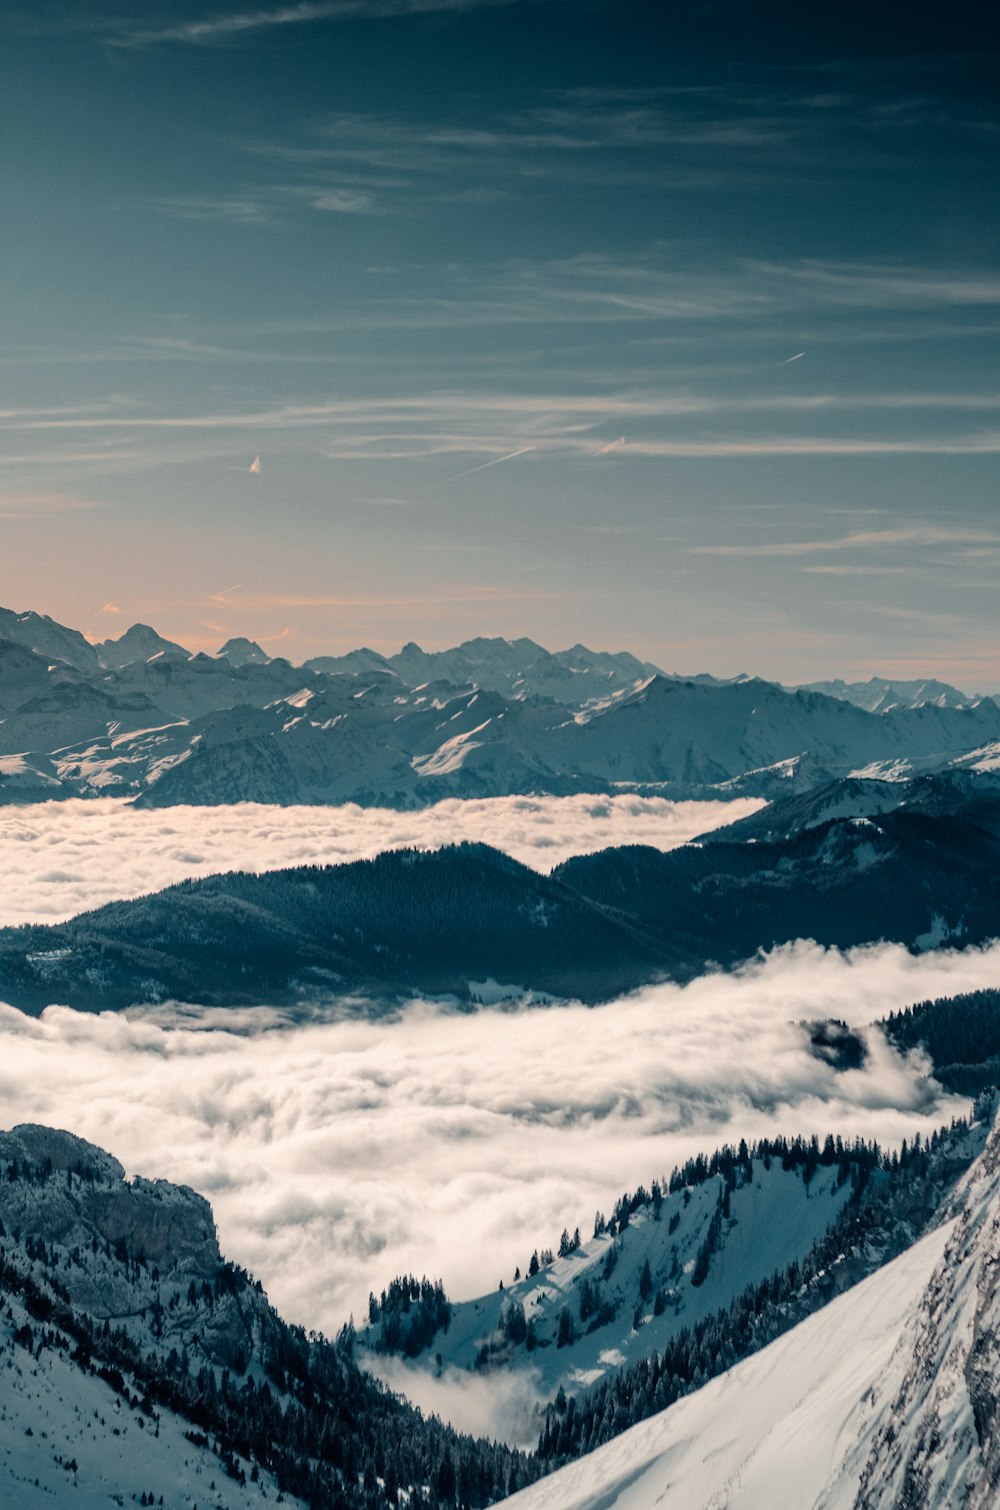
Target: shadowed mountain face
906 876
127 1343
440 923
972 796
404 921
139 717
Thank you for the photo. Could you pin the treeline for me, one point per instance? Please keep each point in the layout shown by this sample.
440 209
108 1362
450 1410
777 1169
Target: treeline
403 920
735 1166
408 1315
726 900
895 1197
330 1434
960 1033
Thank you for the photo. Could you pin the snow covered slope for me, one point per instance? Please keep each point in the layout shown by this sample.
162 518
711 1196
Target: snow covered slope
771 1433
887 1397
695 1261
68 1437
134 1362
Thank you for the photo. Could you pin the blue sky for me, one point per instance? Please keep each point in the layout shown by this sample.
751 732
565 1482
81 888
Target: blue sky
670 328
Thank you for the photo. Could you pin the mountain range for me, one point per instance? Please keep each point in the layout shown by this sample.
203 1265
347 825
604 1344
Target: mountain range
141 718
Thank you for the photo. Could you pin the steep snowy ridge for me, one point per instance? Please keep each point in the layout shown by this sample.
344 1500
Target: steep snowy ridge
77 1243
625 1291
887 1397
932 1432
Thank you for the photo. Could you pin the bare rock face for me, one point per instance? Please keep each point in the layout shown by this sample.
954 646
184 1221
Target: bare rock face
142 1252
62 1150
933 1438
982 1367
150 1220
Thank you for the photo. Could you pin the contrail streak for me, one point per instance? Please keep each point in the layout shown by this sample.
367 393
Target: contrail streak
494 463
795 358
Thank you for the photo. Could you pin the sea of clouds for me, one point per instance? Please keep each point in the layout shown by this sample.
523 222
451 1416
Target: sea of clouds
61 858
339 1153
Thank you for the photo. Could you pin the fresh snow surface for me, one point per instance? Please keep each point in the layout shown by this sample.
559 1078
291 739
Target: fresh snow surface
775 1218
883 770
771 1433
53 1415
986 758
887 1397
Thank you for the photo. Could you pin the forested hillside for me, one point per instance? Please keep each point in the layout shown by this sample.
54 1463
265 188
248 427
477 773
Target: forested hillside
439 923
960 1033
126 1283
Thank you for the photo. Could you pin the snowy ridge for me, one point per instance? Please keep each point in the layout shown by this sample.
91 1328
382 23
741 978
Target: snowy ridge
628 1289
140 717
69 1437
931 1422
133 1360
887 1397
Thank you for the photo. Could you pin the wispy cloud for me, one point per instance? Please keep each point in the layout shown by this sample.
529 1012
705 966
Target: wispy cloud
473 593
919 535
29 505
491 426
231 26
246 210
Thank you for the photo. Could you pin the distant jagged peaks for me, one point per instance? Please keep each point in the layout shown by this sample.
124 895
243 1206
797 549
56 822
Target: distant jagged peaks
140 643
879 695
519 668
47 638
243 652
140 717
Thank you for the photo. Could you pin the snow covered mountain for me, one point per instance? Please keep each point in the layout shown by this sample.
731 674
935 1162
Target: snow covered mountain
140 643
887 1397
137 1363
139 717
957 789
665 1260
520 669
48 639
877 695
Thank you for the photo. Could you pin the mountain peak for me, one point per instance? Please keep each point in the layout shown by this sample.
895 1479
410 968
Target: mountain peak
240 651
139 643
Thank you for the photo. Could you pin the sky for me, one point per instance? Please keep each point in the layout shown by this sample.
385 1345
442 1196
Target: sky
662 328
